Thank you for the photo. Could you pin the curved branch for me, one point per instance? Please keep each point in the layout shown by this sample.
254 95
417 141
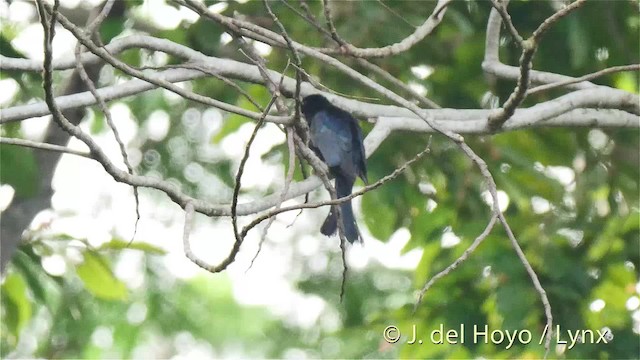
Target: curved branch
492 65
529 47
405 44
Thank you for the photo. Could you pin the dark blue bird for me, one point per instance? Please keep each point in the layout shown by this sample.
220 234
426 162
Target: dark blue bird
336 138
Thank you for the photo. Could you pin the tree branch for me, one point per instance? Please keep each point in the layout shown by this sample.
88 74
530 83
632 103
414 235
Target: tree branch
529 47
405 44
44 146
594 75
492 65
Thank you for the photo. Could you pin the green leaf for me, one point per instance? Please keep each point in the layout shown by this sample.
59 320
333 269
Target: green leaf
98 122
19 170
423 271
614 291
16 302
111 28
626 81
119 244
579 42
515 301
428 227
7 49
98 278
378 215
32 275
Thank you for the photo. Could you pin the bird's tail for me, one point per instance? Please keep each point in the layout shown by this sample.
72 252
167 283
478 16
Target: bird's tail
330 225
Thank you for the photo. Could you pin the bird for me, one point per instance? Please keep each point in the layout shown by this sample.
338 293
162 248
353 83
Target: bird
336 138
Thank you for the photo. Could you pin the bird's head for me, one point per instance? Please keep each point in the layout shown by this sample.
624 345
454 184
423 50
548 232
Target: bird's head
312 104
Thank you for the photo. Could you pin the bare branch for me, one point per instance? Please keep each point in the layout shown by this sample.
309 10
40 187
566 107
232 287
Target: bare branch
498 118
44 146
405 44
457 120
309 19
537 34
332 28
395 13
501 7
491 185
248 72
102 15
95 24
131 87
465 255
588 77
493 66
189 215
224 79
152 78
339 201
576 118
536 283
529 47
236 191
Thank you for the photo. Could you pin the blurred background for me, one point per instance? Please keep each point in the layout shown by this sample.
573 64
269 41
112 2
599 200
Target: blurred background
76 288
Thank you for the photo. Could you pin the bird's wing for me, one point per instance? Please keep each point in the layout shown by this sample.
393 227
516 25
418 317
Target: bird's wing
331 135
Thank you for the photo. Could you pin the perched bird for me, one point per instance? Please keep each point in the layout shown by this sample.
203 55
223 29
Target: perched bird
336 138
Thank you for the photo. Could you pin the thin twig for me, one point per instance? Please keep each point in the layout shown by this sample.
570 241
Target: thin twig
396 14
289 131
498 118
484 170
152 78
465 255
186 246
405 44
345 267
341 200
537 34
501 7
330 25
377 69
308 19
44 146
236 188
588 77
102 105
